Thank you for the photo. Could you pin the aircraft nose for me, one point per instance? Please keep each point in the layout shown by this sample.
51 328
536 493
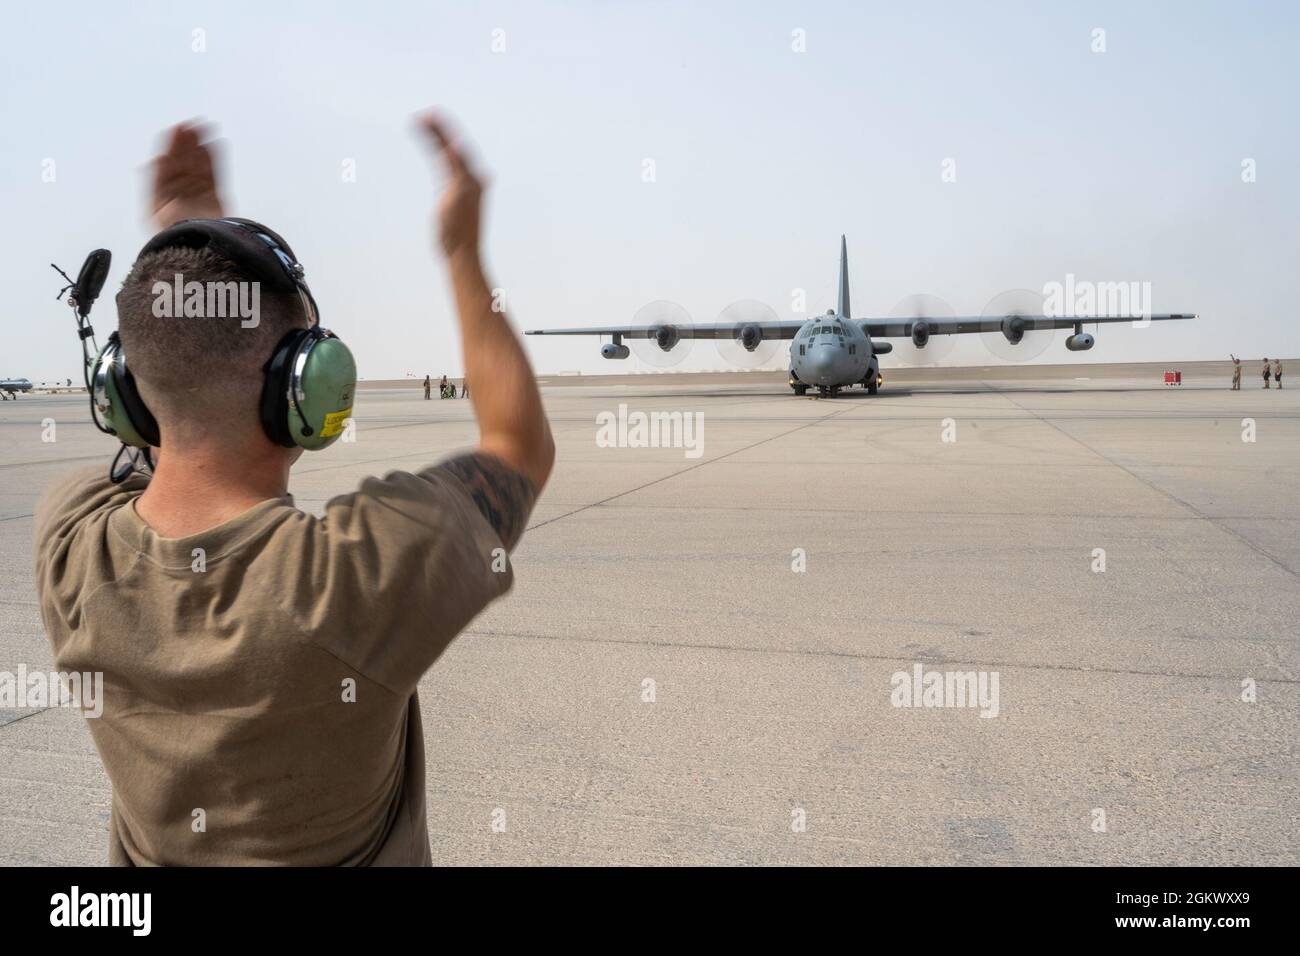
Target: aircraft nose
821 365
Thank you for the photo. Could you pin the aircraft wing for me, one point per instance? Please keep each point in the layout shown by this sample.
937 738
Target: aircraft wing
901 327
895 327
781 329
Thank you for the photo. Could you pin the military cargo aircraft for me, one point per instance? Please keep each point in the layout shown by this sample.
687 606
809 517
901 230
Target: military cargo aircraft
835 350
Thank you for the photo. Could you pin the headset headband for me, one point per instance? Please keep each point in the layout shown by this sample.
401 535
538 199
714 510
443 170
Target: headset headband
252 247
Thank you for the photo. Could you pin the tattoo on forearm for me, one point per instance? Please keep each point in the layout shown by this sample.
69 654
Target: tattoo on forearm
504 496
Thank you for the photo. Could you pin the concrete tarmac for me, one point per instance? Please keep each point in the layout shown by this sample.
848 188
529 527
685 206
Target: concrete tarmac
665 685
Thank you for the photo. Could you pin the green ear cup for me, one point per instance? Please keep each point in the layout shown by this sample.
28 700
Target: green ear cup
116 401
323 383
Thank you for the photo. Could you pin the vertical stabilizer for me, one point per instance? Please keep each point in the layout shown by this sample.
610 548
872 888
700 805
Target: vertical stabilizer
843 309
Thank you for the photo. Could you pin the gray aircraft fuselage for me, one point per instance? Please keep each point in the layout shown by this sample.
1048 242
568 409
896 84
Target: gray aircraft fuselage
831 351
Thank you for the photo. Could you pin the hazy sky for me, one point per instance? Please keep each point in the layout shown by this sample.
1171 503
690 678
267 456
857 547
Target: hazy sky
1114 166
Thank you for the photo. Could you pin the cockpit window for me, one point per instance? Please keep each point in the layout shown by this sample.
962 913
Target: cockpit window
838 330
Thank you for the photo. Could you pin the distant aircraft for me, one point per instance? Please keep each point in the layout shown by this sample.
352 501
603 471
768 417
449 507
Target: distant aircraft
834 350
10 387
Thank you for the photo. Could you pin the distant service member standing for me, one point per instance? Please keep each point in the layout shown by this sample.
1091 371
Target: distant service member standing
428 388
1236 373
1266 372
1277 371
464 387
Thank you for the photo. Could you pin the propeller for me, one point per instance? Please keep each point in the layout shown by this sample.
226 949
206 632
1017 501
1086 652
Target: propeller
747 346
936 347
1014 342
672 338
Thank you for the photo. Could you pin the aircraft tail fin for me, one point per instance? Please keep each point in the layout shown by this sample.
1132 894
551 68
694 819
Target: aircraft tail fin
843 309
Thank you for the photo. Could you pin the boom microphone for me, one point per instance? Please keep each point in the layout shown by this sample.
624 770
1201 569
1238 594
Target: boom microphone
82 293
81 296
90 280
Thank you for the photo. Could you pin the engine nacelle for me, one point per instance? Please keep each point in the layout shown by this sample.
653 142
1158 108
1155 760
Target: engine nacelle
920 334
1080 342
614 351
1013 329
665 336
750 337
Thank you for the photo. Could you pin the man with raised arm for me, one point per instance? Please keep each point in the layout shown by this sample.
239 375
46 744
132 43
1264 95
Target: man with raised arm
260 664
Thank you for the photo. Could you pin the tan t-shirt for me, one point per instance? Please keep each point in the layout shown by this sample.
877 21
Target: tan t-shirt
263 672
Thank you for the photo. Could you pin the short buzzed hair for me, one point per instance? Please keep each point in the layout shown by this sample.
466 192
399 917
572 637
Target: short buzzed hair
193 368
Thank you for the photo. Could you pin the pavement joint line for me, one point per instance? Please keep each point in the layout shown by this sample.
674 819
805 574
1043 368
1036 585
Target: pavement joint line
1156 488
10 723
735 451
438 456
1271 650
847 655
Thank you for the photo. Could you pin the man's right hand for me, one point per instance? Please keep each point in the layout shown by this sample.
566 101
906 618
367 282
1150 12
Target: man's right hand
184 178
